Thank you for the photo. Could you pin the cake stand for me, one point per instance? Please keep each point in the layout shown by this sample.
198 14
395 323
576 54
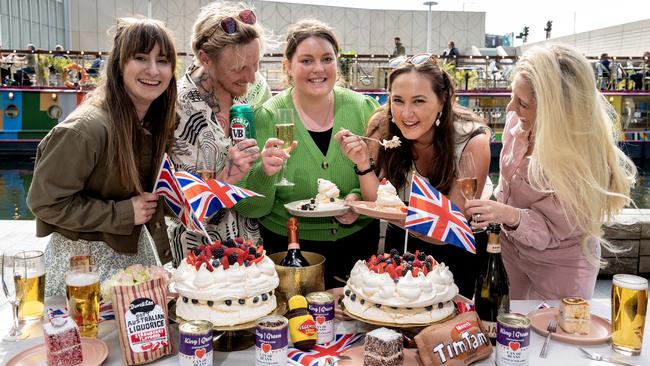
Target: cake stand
235 337
408 330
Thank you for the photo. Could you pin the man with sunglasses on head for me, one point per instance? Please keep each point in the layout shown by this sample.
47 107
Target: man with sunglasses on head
227 43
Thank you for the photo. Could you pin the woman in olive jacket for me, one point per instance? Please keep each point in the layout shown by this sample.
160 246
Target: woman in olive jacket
94 171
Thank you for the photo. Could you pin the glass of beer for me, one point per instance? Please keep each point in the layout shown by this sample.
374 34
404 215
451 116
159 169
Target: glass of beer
629 305
82 293
81 256
33 286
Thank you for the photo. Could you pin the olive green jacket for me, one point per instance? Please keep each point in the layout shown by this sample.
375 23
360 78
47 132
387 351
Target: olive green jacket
74 193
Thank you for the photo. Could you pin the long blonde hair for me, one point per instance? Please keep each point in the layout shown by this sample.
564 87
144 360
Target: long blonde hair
575 155
134 36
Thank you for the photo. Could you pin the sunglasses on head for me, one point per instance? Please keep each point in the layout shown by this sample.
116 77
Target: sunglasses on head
229 24
414 60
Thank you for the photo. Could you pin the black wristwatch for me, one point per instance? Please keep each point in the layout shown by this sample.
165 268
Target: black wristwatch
364 172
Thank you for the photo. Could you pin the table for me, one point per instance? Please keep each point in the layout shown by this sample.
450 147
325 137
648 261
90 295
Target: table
559 353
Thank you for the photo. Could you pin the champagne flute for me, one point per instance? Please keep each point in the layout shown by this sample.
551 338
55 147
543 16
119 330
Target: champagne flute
284 129
467 180
14 272
205 164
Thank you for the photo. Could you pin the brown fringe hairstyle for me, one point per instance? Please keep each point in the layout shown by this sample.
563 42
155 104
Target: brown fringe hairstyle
395 164
135 36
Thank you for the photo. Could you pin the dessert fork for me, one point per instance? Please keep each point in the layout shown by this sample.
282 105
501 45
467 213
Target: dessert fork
598 357
552 328
386 144
332 360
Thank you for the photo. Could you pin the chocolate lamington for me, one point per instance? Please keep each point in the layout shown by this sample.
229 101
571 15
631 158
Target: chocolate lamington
383 347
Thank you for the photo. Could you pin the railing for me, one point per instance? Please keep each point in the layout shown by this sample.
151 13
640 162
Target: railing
476 73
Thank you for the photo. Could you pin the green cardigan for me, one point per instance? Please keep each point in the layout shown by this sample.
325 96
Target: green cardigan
306 164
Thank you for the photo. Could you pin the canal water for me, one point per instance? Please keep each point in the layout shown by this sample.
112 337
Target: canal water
16 177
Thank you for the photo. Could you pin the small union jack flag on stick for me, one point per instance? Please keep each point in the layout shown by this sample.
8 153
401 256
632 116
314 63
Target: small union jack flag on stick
168 187
434 215
209 196
192 199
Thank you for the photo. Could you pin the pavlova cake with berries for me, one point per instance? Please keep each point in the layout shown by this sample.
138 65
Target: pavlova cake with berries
408 289
226 283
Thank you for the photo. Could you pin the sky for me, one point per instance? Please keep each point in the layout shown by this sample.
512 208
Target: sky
505 16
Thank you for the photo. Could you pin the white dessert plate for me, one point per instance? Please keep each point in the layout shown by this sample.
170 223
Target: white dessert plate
94 352
370 209
338 209
393 325
411 357
600 330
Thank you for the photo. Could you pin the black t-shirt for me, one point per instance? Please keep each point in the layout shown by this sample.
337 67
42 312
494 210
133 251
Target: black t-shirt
322 139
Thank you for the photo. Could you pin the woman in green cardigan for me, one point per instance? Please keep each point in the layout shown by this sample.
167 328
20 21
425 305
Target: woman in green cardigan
320 109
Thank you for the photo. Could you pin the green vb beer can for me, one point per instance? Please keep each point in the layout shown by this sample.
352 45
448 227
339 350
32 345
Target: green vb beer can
241 122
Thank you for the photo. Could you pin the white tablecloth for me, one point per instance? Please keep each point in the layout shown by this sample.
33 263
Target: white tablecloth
559 354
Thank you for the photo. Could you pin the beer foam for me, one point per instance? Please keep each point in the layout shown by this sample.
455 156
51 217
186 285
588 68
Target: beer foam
81 279
35 272
630 282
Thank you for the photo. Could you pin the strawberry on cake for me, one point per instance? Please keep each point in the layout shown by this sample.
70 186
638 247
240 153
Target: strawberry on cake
409 289
226 283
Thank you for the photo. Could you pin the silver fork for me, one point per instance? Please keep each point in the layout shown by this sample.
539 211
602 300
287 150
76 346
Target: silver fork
552 328
598 357
332 360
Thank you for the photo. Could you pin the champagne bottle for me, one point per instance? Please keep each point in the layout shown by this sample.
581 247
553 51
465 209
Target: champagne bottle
294 257
492 296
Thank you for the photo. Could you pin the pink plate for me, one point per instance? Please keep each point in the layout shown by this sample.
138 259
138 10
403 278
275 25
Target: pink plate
600 331
368 209
94 351
411 357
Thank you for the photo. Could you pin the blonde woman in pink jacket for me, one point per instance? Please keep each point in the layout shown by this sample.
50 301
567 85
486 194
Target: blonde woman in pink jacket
561 176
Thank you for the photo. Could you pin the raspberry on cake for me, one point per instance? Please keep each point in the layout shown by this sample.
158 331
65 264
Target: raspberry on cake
387 198
226 283
574 315
383 347
409 289
62 342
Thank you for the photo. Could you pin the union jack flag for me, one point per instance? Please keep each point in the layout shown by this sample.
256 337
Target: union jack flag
320 354
209 196
434 215
105 311
168 187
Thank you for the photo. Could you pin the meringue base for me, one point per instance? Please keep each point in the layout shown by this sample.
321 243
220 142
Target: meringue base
390 208
220 314
365 309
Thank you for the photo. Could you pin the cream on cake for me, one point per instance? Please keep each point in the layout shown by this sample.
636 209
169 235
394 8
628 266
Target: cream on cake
226 284
328 195
413 289
387 198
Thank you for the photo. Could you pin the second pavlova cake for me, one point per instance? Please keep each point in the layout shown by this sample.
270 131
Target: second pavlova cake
409 289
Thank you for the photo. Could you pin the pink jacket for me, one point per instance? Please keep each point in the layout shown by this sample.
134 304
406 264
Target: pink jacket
543 254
